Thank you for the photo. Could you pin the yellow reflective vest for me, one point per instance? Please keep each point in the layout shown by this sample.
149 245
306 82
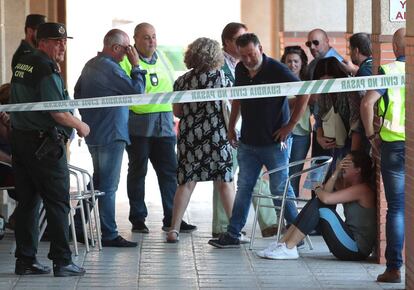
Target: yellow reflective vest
393 112
158 79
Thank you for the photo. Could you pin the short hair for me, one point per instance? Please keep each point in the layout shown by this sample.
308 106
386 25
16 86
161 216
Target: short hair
230 30
329 66
361 41
204 54
114 36
296 49
141 26
245 39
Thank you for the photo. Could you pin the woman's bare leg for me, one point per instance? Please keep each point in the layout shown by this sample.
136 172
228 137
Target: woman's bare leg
292 237
226 195
181 200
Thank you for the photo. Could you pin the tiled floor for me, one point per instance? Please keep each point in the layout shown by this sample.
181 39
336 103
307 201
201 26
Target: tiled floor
192 263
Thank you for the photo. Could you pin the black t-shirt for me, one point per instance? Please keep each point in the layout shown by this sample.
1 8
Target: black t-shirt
261 117
365 68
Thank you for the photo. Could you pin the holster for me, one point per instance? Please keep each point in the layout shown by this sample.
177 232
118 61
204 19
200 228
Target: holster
52 145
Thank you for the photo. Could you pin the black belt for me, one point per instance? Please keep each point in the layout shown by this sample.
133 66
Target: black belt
39 134
30 133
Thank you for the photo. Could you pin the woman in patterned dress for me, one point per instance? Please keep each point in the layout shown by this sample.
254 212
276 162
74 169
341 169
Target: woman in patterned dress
204 153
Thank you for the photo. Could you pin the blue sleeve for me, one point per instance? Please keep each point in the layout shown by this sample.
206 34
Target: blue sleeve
381 91
128 85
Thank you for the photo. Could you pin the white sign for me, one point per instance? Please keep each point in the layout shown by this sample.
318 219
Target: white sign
397 10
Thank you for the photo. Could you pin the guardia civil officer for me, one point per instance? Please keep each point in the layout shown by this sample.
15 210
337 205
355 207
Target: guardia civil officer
39 154
28 44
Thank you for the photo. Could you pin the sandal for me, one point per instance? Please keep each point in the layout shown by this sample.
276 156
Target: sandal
177 237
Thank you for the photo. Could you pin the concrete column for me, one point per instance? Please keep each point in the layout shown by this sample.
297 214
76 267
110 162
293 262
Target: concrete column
263 18
382 31
409 147
358 18
12 18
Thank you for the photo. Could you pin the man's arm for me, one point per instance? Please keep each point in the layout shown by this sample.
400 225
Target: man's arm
66 119
367 111
234 117
298 110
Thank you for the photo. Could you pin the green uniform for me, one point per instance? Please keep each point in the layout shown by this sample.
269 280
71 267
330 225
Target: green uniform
36 78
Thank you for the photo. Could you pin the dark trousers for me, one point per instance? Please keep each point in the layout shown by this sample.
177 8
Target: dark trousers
335 232
161 152
46 179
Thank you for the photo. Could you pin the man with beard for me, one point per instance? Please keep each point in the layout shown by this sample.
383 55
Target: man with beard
28 44
265 134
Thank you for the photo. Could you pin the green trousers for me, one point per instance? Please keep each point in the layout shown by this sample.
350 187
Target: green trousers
266 216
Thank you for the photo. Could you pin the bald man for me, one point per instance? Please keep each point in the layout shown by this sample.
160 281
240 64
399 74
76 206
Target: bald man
318 44
391 142
152 134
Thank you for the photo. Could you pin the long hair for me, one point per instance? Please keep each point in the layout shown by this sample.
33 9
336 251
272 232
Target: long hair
296 49
363 161
329 66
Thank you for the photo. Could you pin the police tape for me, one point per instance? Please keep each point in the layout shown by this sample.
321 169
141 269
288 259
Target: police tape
243 92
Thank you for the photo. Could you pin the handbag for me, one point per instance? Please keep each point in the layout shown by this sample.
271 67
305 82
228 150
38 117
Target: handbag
333 127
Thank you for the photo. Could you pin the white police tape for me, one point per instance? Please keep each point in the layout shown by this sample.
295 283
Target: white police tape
243 92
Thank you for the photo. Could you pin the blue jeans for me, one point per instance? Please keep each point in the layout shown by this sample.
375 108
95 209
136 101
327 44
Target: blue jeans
251 160
107 161
393 175
299 150
161 152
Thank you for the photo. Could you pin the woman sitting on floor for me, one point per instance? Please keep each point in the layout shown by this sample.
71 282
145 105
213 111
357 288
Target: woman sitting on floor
352 239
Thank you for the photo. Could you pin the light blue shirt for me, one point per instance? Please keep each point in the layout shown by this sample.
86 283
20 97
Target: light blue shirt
103 76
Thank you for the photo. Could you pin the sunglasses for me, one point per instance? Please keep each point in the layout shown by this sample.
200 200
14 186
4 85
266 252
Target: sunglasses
309 43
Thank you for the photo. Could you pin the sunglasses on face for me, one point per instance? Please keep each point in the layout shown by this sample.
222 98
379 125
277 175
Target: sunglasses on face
314 42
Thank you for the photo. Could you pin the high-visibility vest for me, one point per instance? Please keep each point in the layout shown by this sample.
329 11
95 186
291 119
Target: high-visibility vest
393 110
158 79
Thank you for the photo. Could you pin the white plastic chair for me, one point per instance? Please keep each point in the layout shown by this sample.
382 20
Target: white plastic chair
320 163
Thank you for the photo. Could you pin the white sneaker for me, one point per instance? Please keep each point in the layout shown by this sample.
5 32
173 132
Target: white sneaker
244 239
282 253
271 247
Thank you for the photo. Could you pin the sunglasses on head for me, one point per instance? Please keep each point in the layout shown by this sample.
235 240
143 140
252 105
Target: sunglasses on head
309 43
292 48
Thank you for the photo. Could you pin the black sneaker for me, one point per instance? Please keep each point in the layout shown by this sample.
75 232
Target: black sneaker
119 242
30 268
225 241
140 227
68 270
184 227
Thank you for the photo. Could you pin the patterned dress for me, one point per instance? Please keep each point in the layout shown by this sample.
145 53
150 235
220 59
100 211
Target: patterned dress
204 153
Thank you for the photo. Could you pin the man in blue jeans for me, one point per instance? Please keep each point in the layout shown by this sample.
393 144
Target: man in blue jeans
265 134
391 107
103 76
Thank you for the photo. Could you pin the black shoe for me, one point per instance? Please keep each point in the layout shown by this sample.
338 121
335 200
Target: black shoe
184 227
68 270
225 241
140 227
119 242
30 268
